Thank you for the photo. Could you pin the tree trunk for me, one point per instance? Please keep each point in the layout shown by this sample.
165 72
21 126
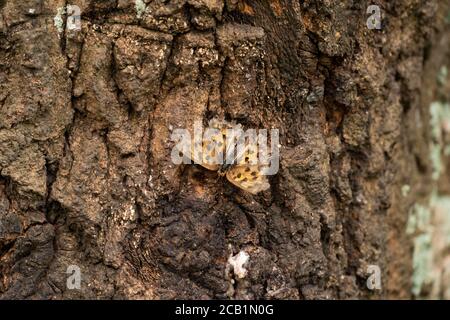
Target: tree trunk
92 206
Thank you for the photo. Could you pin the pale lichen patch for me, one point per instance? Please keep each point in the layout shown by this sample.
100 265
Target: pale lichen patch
58 20
440 123
442 75
405 190
430 225
140 7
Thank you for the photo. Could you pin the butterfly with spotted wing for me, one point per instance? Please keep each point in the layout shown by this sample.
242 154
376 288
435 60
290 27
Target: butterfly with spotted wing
242 166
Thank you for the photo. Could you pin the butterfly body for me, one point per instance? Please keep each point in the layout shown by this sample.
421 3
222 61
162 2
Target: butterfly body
223 169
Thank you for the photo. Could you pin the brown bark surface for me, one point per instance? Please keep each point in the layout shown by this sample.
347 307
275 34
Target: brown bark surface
86 117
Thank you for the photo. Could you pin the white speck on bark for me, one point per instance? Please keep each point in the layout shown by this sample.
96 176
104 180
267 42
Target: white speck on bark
237 262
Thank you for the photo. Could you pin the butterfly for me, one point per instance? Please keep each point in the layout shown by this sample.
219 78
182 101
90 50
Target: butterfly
241 165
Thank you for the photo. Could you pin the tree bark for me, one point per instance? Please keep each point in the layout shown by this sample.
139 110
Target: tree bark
86 178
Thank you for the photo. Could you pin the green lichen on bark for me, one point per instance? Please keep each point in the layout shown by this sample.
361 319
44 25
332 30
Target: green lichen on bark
58 20
439 122
429 225
140 8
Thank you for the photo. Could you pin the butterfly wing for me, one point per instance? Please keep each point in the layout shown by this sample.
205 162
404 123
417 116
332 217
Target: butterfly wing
214 144
206 153
248 178
248 174
210 150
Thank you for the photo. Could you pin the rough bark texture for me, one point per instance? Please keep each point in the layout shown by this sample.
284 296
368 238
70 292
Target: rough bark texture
86 117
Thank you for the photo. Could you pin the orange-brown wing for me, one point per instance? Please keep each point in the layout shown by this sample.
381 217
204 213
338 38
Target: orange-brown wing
249 178
208 153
